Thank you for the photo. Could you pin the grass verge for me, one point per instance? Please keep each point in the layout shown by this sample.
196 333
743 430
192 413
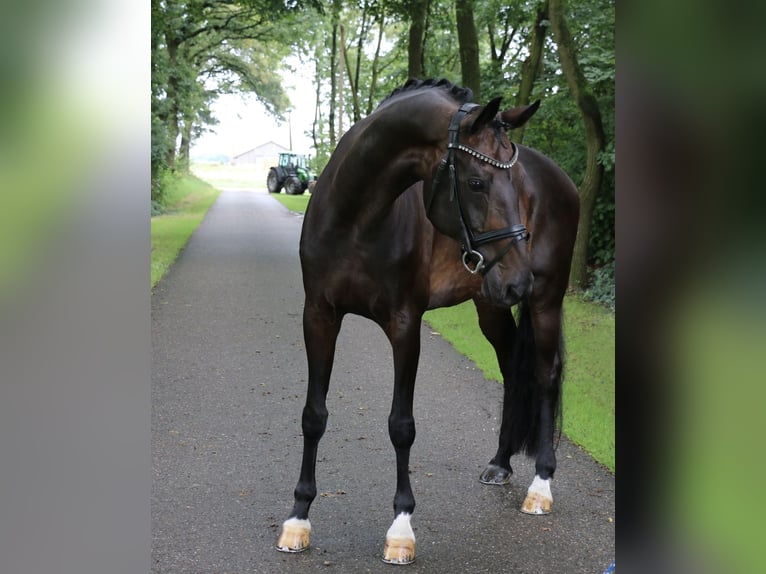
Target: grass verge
189 198
588 402
296 203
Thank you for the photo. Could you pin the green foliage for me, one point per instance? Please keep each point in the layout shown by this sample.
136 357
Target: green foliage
159 167
601 245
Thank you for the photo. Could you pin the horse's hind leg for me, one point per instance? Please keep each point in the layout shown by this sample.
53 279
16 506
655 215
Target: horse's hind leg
499 328
320 329
404 334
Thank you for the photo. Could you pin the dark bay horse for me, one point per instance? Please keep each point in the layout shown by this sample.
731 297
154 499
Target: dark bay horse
424 204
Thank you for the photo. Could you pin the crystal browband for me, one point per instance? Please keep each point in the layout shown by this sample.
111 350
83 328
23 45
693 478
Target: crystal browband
491 161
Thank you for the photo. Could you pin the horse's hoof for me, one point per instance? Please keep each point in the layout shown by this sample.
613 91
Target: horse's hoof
399 551
539 498
400 541
295 537
536 504
495 475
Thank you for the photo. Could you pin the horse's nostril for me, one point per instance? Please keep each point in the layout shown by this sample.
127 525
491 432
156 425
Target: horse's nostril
520 289
530 285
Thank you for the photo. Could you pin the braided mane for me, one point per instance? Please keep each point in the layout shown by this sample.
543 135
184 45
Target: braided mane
462 95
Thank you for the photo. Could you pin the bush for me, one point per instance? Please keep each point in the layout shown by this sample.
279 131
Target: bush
163 185
601 286
157 208
601 243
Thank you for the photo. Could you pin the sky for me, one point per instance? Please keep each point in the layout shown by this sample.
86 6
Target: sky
244 123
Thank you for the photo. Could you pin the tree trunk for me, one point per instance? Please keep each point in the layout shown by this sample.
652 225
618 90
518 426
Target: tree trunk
318 96
354 82
375 64
468 45
333 83
182 161
531 66
352 86
172 91
341 72
595 139
417 35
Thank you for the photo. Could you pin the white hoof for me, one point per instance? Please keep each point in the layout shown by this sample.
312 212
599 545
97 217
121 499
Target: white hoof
296 535
400 542
539 499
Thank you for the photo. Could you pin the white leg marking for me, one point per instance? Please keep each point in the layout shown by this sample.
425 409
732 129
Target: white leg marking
296 535
298 523
400 541
401 528
539 498
541 487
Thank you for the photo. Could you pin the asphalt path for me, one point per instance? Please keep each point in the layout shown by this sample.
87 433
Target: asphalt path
228 384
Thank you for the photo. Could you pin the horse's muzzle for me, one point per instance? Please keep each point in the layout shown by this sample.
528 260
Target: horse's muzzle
520 290
505 294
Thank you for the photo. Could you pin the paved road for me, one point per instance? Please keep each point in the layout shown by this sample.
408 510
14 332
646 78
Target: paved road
228 388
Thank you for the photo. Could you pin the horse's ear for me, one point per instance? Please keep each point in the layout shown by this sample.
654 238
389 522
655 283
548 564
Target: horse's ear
517 117
487 114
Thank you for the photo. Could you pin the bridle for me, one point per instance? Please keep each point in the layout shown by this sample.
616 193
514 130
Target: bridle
471 242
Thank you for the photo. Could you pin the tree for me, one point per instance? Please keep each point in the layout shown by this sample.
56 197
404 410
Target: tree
594 134
468 46
417 35
531 65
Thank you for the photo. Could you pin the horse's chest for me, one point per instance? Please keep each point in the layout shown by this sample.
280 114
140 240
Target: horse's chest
368 279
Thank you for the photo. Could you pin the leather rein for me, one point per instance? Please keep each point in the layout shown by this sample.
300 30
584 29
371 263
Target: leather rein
471 241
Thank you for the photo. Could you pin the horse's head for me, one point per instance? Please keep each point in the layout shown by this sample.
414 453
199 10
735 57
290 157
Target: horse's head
472 198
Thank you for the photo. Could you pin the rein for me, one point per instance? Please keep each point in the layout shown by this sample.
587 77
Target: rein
471 242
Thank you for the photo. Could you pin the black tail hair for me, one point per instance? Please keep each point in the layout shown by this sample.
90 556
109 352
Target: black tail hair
523 393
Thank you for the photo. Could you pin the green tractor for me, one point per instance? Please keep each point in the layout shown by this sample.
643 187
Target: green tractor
292 173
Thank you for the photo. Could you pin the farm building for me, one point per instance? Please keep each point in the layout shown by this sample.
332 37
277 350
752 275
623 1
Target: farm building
260 158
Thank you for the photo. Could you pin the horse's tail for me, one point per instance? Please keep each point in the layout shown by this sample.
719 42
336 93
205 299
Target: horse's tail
523 393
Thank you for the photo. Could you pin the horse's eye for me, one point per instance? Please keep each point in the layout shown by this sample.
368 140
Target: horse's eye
475 184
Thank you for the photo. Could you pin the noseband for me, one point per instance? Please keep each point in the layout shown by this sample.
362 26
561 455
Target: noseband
471 242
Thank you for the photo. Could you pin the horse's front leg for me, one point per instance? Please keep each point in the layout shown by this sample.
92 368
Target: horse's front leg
320 329
499 328
548 367
404 335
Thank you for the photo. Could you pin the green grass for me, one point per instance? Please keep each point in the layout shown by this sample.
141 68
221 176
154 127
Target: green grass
588 401
230 176
295 203
189 198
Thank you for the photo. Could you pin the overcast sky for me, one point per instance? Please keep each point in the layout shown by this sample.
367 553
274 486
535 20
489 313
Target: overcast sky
244 124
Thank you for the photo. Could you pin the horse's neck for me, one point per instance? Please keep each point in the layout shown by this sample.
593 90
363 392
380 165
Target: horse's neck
382 156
